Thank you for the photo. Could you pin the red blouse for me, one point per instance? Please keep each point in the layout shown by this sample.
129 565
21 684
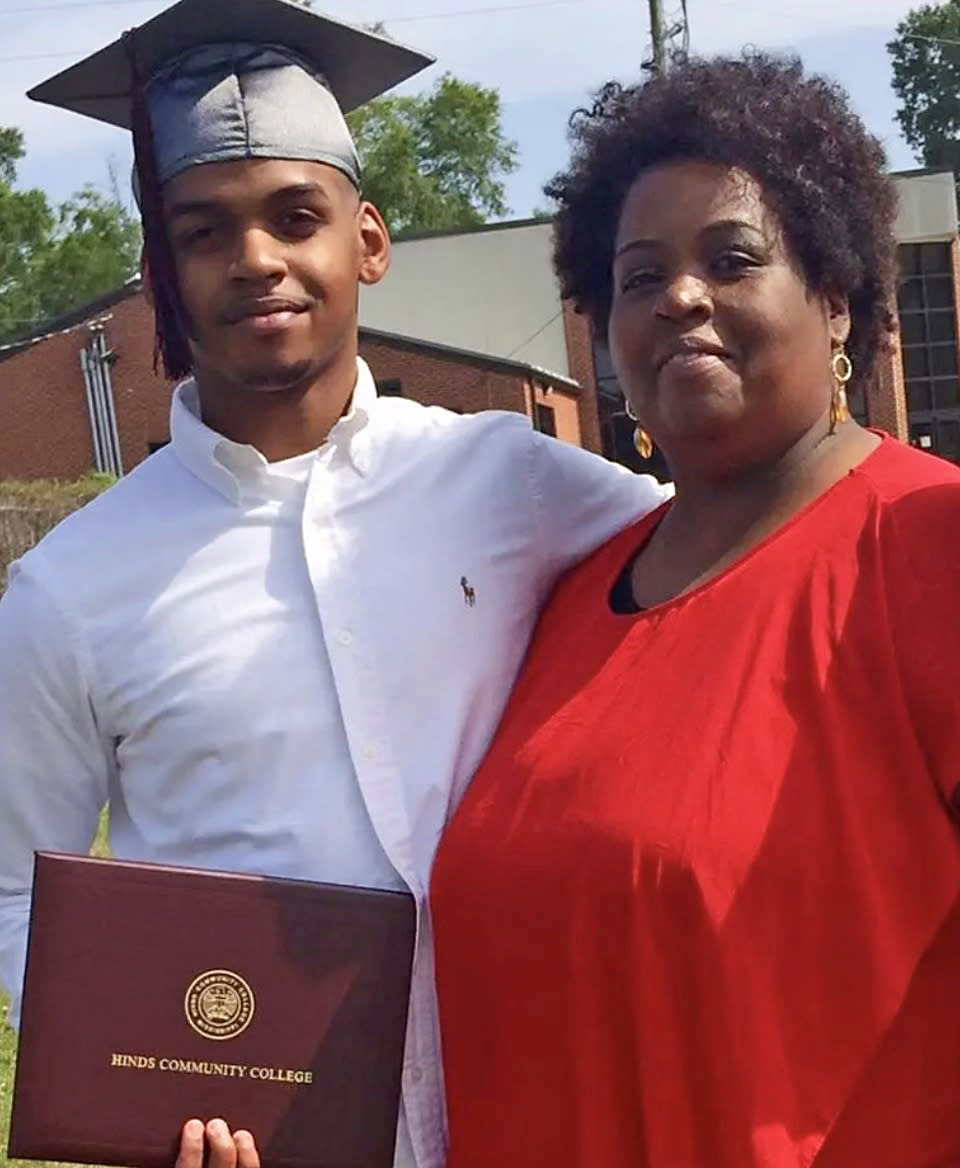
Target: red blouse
701 904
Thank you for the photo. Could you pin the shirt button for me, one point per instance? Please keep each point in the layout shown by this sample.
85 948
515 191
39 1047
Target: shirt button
416 1075
345 637
370 752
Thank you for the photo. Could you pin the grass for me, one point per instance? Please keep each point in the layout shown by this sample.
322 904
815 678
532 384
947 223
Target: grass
8 1045
43 492
29 508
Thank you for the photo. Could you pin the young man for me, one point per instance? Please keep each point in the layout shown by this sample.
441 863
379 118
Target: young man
258 647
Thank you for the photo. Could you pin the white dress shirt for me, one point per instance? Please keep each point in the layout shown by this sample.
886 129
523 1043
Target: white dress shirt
290 669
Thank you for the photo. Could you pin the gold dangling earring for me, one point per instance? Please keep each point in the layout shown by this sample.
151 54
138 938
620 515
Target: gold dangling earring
842 368
642 442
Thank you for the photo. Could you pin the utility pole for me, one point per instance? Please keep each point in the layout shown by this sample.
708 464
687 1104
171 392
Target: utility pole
658 34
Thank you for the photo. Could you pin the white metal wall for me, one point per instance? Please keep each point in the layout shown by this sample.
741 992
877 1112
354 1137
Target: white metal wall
492 291
928 207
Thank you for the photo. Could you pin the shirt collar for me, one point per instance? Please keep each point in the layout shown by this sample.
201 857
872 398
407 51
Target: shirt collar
236 470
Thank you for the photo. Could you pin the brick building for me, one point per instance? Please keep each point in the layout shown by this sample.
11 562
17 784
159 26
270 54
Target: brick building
473 320
83 394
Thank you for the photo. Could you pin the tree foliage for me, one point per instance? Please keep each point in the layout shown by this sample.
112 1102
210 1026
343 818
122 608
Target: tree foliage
926 79
55 258
435 161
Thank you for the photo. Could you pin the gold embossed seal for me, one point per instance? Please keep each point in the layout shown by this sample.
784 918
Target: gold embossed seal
219 1004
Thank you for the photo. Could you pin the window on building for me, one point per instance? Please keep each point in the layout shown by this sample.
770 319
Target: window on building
938 436
928 335
390 388
545 419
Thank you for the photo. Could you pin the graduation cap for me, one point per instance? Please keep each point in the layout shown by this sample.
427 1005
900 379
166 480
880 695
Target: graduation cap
220 81
230 79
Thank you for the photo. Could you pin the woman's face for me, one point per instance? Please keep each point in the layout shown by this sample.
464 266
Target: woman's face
719 345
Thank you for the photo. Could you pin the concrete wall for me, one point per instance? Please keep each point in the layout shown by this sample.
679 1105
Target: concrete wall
492 291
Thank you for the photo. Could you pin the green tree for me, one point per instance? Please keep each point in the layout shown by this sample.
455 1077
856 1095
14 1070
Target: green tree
93 249
55 258
926 79
435 161
26 223
11 151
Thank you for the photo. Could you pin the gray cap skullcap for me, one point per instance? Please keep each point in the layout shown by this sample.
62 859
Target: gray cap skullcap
273 87
226 102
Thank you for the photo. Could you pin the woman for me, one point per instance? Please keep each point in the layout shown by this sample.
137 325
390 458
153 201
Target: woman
700 904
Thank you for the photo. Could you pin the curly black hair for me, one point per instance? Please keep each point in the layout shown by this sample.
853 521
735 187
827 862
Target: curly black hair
819 168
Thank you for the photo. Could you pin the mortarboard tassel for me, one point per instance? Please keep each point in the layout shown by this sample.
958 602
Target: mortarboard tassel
171 344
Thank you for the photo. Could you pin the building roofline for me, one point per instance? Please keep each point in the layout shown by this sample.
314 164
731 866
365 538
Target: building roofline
80 316
471 357
74 319
921 172
478 229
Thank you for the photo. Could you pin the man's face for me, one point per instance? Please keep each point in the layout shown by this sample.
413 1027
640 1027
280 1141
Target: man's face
269 255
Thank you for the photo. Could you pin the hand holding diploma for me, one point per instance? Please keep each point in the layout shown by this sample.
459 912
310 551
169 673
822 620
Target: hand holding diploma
227 1149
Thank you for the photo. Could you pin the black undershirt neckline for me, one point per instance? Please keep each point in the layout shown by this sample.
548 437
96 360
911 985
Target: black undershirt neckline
621 597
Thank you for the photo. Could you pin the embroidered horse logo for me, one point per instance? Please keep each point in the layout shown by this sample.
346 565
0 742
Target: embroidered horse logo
469 594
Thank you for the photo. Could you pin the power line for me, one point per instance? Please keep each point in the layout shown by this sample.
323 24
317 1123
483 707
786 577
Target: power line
479 11
682 29
542 329
70 4
914 36
63 5
37 57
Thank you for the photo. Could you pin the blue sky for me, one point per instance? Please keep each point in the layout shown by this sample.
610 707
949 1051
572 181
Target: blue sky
545 57
539 123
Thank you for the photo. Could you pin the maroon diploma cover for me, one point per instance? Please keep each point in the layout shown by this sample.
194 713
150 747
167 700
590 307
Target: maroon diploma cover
157 994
